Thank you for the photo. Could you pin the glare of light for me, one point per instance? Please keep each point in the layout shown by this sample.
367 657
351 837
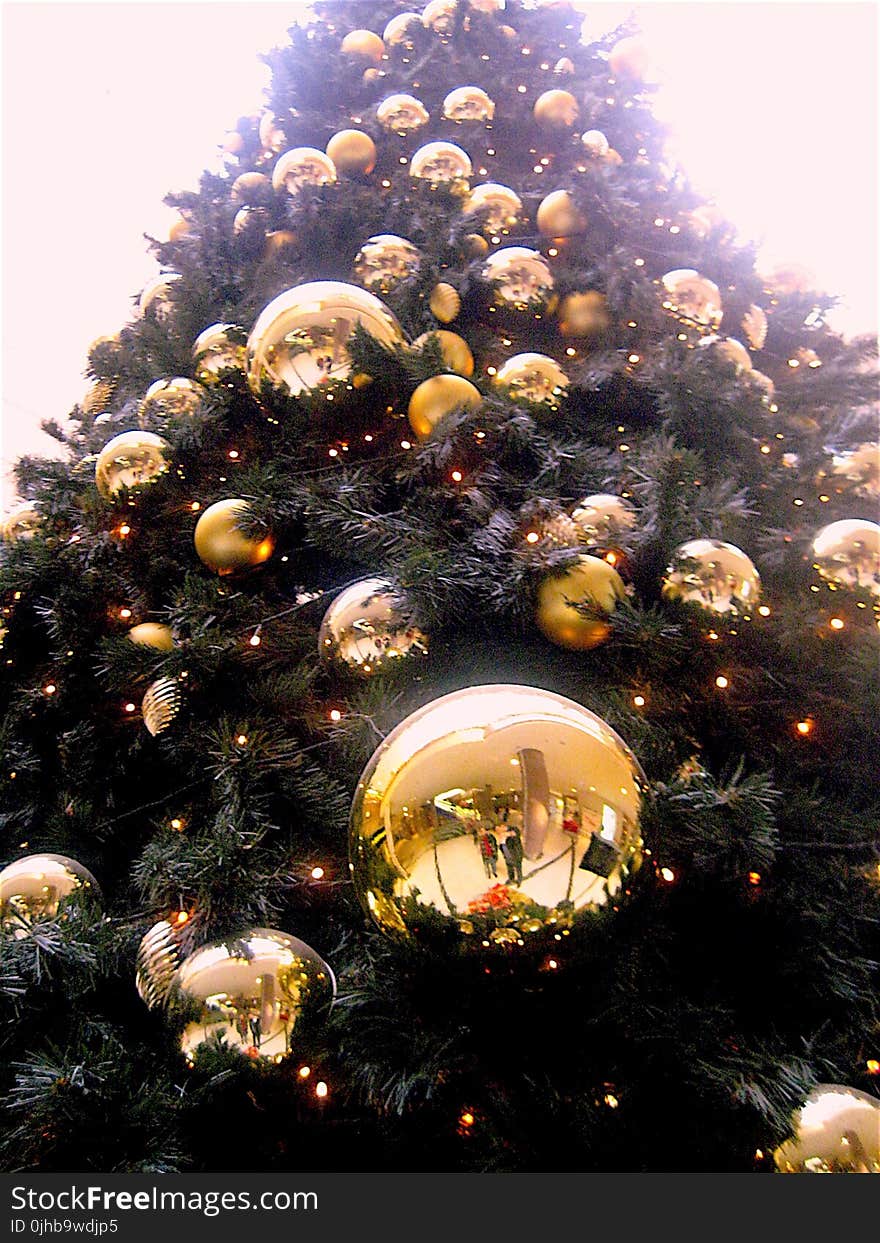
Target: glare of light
722 682
321 1089
836 623
317 873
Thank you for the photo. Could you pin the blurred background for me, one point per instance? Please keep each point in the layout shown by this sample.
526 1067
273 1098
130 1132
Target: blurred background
107 107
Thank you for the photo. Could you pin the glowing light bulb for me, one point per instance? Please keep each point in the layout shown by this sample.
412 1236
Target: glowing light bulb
50 688
317 873
754 878
321 1089
129 707
241 739
176 824
125 613
668 875
457 476
722 682
335 714
804 727
532 537
232 454
304 1072
639 701
836 623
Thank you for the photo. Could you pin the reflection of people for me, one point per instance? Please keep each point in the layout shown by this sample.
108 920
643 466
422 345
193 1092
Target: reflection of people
570 824
489 851
512 849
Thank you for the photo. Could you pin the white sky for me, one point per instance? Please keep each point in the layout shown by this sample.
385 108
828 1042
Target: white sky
108 106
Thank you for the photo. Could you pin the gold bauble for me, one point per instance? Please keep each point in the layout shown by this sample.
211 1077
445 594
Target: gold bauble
262 992
130 460
762 382
556 107
474 246
251 221
372 75
558 216
179 228
21 523
859 469
437 397
503 206
384 261
444 302
602 518
301 167
595 143
564 65
754 326
98 398
847 553
272 136
440 163
719 577
156 298
352 152
439 16
251 189
612 157
32 889
583 314
158 957
836 1131
161 704
300 340
367 627
729 349
790 278
363 43
219 348
233 142
176 398
521 277
590 581
455 350
630 58
397 33
401 114
692 297
468 103
278 240
153 634
222 544
532 377
514 761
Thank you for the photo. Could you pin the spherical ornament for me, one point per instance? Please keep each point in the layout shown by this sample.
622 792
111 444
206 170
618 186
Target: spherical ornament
223 545
254 992
363 43
401 114
460 821
705 219
221 347
278 240
98 398
352 152
251 189
837 1131
603 518
730 350
272 136
692 297
130 460
233 143
397 33
503 207
366 627
532 377
158 957
444 302
763 383
468 103
474 246
717 576
157 299
754 326
558 216
612 157
859 469
629 58
384 261
176 398
564 65
590 582
437 397
790 278
454 349
301 167
161 704
33 888
561 531
595 143
584 314
521 277
372 75
21 523
300 340
250 222
440 163
439 16
847 553
557 108
152 634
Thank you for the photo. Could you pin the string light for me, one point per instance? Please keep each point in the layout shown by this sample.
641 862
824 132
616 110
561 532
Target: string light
805 727
836 623
405 444
754 878
722 682
611 1100
255 639
125 613
241 739
763 610
182 917
50 688
129 707
232 454
532 537
457 476
321 1089
195 507
304 1072
124 530
639 701
668 875
317 873
335 714
467 1120
177 824
872 1066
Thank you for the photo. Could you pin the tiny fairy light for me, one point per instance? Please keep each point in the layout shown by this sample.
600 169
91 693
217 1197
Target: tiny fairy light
763 610
611 1100
532 537
317 873
805 727
195 506
241 739
50 688
176 824
124 530
321 1089
639 701
872 1066
754 878
304 1072
722 682
129 707
255 640
836 623
335 714
668 875
466 1119
125 613
233 455
457 476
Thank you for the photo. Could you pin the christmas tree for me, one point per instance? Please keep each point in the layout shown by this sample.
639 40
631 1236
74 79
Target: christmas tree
440 683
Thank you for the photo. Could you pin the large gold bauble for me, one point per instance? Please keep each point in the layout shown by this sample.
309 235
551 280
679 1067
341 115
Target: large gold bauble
219 348
595 143
468 103
444 302
521 277
353 152
837 1131
300 340
272 136
33 889
692 297
384 261
440 163
603 518
513 761
858 469
401 114
847 553
153 634
22 522
397 33
558 216
473 246
437 397
719 577
366 628
630 57
301 167
455 350
222 544
363 43
754 326
251 189
556 107
439 16
156 299
261 992
503 207
730 350
130 460
175 398
584 314
158 957
161 704
532 377
591 582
